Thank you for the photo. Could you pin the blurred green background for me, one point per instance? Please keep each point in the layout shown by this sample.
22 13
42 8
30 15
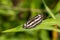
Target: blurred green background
14 13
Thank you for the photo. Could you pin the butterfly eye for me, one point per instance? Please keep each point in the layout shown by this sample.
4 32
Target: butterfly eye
33 21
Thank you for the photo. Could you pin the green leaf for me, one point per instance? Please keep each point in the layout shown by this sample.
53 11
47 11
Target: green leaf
46 24
48 10
44 35
57 7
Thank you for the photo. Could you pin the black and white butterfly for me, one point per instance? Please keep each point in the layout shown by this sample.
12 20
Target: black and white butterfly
33 21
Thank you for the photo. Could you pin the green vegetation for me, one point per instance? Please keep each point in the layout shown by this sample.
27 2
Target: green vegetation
14 13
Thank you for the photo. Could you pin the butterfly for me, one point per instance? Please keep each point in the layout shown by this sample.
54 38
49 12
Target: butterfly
33 21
